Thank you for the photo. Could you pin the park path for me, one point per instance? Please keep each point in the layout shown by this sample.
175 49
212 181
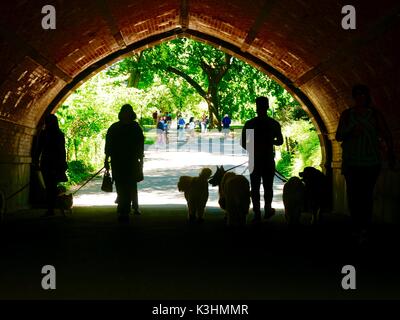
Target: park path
165 164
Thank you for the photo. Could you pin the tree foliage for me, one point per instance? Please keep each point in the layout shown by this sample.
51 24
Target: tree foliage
186 77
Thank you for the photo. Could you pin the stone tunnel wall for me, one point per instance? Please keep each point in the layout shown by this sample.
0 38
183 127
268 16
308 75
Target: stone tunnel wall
302 41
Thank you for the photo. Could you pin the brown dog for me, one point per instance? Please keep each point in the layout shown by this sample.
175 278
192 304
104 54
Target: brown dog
234 195
196 193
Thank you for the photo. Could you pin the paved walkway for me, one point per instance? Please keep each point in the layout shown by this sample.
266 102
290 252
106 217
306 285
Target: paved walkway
165 164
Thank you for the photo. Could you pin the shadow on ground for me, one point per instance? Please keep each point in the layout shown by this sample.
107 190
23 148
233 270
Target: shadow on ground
160 256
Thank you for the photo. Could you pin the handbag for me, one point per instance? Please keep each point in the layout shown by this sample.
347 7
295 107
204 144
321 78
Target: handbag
107 185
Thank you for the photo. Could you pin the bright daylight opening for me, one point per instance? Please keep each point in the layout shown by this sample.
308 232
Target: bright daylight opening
188 87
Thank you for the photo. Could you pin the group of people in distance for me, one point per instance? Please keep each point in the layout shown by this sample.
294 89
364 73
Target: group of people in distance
191 125
362 132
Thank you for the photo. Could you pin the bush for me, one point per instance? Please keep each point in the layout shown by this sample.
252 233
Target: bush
285 164
143 121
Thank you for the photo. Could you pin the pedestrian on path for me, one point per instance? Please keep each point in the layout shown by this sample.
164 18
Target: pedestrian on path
125 147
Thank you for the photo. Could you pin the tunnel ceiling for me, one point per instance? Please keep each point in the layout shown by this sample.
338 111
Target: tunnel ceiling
302 40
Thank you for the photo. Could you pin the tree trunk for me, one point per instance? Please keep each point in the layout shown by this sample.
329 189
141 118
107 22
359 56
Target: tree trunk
76 149
214 75
135 72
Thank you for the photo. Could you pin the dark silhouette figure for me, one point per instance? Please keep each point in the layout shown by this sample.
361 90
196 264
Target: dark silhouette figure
125 146
259 136
364 135
51 158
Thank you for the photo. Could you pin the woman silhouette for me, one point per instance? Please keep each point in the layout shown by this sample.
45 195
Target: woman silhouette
52 155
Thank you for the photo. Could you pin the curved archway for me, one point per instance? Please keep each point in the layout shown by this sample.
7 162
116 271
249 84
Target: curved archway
224 46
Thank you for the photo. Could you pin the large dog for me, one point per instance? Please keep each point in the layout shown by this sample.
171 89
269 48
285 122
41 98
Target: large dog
196 193
234 195
318 197
294 195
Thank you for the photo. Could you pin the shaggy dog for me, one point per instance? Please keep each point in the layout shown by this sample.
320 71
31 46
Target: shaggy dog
196 193
294 199
64 201
317 192
234 196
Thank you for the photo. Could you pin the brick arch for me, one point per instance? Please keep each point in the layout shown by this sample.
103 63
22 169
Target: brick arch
301 40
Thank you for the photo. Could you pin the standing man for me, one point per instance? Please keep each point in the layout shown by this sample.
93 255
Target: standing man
125 146
259 136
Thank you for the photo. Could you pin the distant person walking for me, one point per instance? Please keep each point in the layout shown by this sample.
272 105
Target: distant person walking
155 117
181 129
191 127
364 135
259 136
226 124
204 124
161 131
125 147
51 159
168 118
167 124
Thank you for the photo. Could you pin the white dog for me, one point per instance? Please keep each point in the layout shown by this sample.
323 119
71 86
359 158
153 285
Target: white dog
294 200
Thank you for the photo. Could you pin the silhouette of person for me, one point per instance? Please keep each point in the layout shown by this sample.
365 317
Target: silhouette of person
125 147
363 133
226 123
181 129
52 157
259 135
155 116
161 131
191 128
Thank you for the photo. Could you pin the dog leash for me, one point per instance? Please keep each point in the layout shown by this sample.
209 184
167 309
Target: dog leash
279 175
88 180
239 165
18 191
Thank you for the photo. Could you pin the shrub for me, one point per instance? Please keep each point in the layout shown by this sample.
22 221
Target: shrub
285 164
78 171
